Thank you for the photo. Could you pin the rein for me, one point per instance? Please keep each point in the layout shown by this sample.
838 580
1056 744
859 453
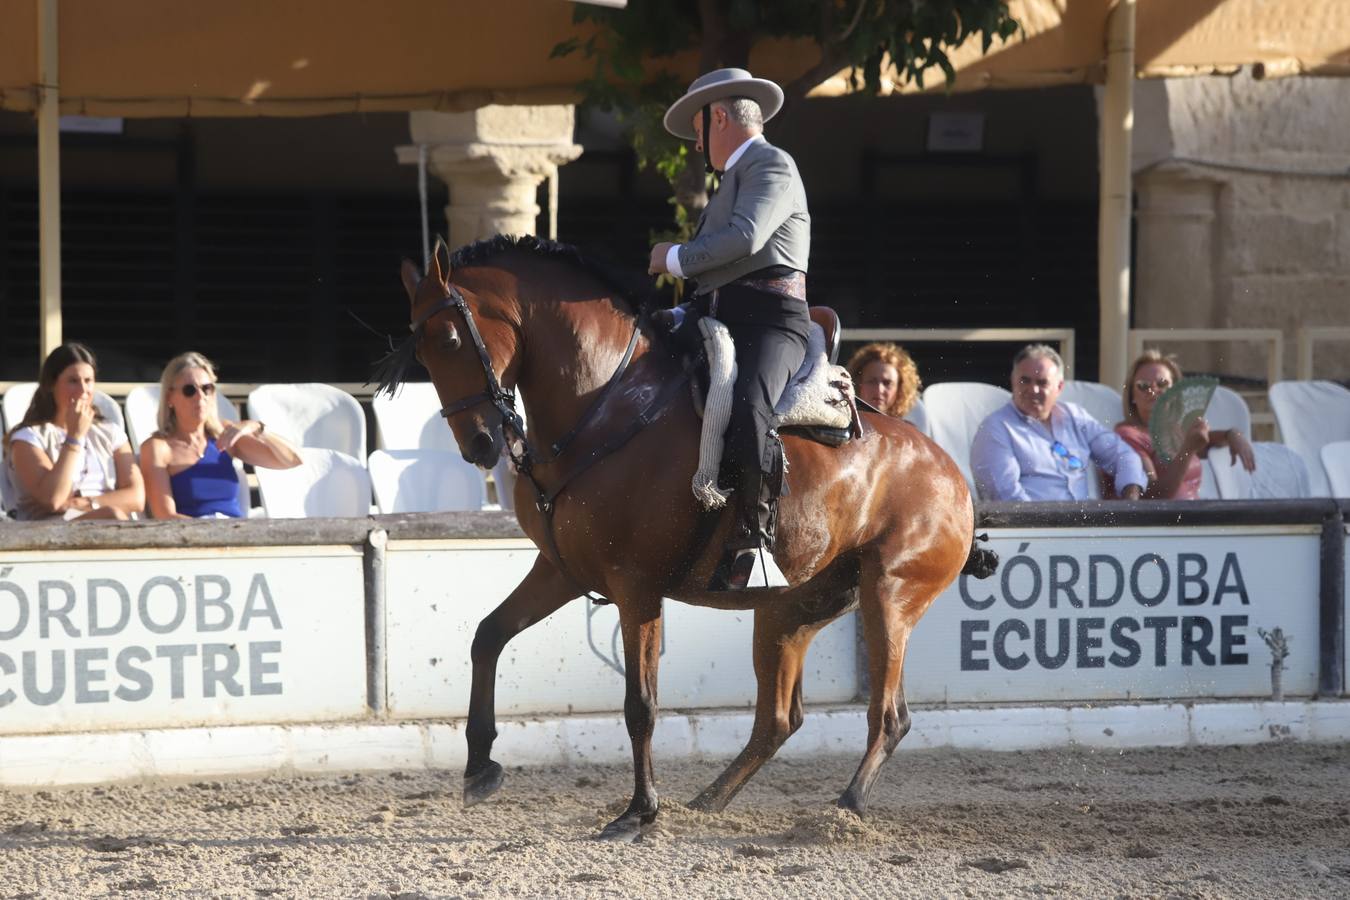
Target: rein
503 399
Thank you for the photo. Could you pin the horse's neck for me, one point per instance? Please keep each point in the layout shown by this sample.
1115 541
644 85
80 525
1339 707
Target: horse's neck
572 350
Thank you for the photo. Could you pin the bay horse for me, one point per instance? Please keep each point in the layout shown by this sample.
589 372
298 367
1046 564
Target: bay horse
883 523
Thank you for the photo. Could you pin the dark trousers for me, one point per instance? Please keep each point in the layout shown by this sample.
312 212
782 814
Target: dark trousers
770 331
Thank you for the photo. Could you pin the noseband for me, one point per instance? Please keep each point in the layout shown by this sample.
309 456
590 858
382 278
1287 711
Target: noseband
504 400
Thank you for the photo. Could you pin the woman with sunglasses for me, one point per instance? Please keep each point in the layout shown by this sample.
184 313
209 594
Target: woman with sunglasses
1179 479
64 459
189 462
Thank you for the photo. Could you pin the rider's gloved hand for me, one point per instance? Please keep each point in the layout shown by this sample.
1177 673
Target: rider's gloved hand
669 319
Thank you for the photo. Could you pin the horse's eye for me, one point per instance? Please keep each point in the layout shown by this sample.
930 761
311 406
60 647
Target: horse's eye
451 341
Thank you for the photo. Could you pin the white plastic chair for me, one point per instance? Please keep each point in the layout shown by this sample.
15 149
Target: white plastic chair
1336 461
142 406
327 483
18 398
312 415
1228 410
918 417
411 420
955 411
1281 473
1102 403
425 481
1311 414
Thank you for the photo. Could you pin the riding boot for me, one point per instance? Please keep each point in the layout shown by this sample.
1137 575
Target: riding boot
747 562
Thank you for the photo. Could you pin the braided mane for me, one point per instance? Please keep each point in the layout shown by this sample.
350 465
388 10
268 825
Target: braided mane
635 294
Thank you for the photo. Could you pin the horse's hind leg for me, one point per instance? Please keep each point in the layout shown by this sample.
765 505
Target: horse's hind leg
640 620
890 608
543 591
782 635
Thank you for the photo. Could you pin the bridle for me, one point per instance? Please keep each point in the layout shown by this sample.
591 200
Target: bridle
504 401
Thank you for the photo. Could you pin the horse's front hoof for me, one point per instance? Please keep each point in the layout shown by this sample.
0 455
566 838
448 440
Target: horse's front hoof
624 830
850 803
708 802
482 784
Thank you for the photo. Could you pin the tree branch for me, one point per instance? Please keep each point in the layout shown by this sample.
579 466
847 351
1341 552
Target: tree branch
857 17
832 59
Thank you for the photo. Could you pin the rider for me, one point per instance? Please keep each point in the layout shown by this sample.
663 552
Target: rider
749 257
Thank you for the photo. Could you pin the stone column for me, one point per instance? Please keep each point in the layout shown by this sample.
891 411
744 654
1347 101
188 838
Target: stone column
493 158
1177 270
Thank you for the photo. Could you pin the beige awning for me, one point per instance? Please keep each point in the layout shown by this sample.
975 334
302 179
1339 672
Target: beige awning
1064 42
171 58
142 58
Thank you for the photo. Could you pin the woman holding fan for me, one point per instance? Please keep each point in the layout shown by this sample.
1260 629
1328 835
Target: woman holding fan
1178 478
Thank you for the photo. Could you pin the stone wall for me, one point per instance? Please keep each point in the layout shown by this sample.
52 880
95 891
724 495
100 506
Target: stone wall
1240 221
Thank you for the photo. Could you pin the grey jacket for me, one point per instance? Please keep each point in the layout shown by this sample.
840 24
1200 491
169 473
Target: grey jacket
757 218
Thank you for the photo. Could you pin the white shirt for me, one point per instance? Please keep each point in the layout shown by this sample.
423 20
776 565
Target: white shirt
673 254
91 479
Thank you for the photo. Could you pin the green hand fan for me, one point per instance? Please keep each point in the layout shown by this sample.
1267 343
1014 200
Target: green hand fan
1178 407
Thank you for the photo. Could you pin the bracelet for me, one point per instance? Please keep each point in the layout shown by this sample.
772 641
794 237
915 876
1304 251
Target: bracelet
77 444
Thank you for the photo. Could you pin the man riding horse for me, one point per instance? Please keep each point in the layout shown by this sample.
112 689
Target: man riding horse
748 257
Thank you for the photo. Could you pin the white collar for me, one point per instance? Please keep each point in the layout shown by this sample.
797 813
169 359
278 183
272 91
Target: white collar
739 152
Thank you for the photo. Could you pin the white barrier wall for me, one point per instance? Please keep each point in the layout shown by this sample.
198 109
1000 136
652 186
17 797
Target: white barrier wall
438 591
1124 614
131 639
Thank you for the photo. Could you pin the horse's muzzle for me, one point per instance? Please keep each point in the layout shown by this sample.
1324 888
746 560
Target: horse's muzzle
483 450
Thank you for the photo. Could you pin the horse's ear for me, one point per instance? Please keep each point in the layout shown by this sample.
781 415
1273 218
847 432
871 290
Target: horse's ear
411 278
440 262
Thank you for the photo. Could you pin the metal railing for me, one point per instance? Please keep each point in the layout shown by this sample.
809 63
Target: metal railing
1064 337
1308 337
231 389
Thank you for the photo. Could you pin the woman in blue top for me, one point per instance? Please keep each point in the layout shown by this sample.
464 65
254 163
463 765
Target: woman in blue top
189 462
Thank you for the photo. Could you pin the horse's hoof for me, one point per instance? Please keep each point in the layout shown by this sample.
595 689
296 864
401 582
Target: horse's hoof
707 802
623 830
849 803
483 784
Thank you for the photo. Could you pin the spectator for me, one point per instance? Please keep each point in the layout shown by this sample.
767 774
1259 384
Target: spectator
188 466
65 460
1037 449
1150 376
885 376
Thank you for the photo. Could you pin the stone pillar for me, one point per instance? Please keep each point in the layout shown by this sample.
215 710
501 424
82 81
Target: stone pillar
1177 271
493 158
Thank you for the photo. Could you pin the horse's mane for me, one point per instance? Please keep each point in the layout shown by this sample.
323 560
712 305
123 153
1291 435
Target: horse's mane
635 295
632 291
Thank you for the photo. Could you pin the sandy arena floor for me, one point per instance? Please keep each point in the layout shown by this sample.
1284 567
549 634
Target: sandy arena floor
1261 822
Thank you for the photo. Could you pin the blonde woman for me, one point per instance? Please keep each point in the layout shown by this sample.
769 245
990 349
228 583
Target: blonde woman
65 460
1179 479
885 376
189 462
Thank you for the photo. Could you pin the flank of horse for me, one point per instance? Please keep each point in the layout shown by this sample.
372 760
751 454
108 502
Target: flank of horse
882 524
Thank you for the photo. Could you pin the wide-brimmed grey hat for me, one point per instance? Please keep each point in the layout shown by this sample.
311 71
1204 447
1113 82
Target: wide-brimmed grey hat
718 85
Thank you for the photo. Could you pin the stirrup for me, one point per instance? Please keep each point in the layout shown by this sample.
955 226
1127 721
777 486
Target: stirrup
747 569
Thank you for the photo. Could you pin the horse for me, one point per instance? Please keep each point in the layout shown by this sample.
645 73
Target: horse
882 523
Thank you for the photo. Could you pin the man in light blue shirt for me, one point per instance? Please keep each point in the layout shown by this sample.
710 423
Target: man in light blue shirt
1037 449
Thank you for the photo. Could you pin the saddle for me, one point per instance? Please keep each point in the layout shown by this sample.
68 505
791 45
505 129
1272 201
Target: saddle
817 404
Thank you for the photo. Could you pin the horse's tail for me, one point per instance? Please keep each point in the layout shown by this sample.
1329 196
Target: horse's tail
982 562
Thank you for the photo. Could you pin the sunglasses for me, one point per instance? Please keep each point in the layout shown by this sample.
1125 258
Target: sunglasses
1153 387
1063 453
190 390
